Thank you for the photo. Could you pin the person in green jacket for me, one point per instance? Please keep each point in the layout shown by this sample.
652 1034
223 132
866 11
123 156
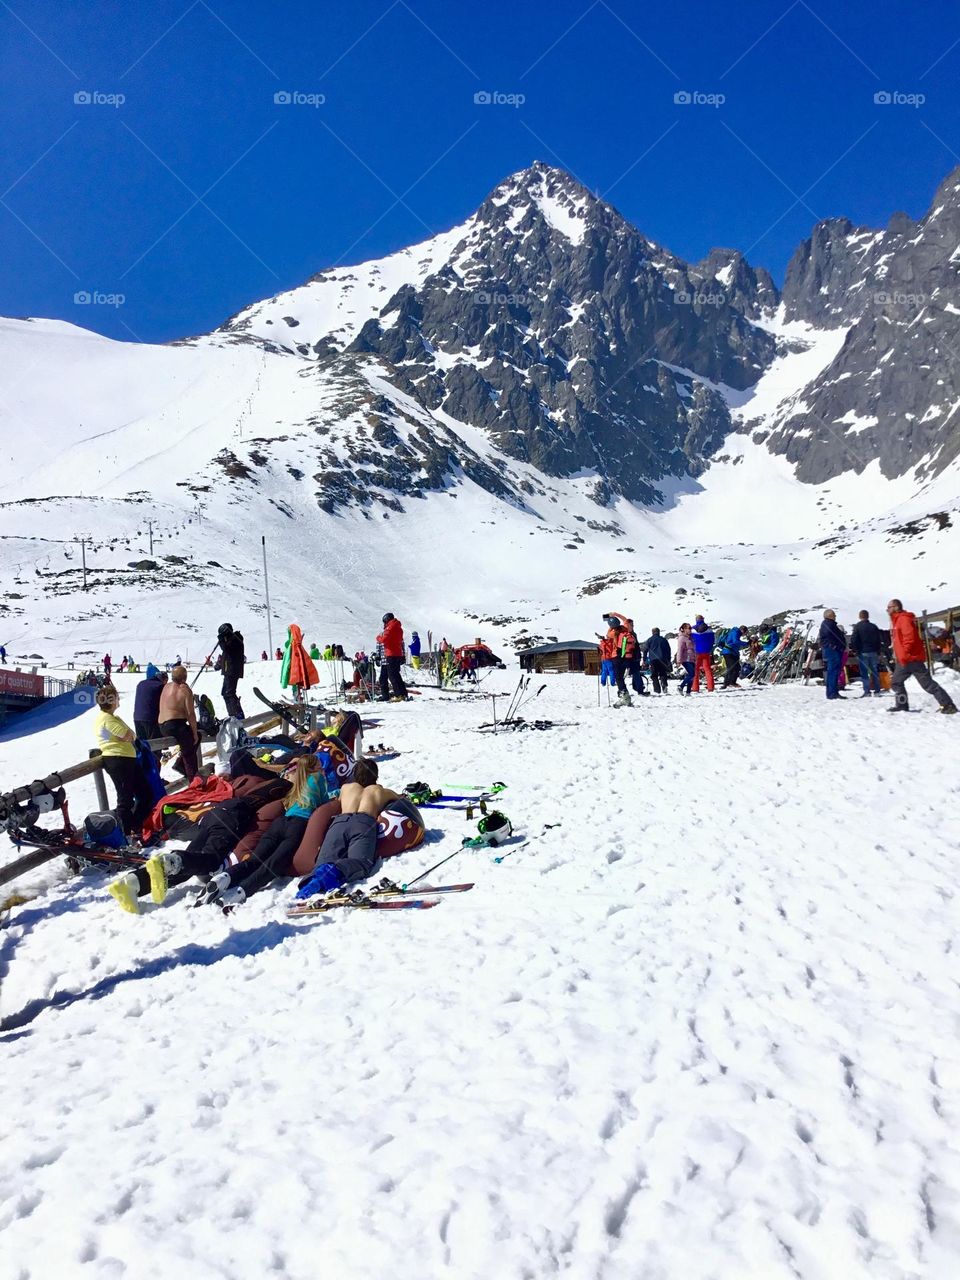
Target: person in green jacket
314 652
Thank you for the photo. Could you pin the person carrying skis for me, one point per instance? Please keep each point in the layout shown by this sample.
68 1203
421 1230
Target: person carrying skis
866 645
146 703
735 640
349 849
415 651
278 844
231 664
834 644
391 639
118 755
911 655
686 658
658 655
178 720
703 641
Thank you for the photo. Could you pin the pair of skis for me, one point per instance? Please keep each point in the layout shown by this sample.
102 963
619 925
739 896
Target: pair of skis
386 897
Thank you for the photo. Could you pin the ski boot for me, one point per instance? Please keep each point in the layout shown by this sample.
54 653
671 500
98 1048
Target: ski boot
124 890
158 868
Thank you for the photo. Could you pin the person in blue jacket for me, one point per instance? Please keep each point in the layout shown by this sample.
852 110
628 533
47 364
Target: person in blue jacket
146 703
414 650
771 640
735 640
833 643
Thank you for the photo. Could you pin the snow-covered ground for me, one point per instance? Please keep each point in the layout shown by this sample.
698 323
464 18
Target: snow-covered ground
705 1027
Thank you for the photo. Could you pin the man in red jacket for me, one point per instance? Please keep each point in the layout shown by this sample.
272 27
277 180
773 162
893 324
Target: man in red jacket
911 656
391 637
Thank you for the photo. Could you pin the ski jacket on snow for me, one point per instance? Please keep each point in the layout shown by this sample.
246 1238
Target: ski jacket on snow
414 646
866 637
703 641
658 649
831 637
391 637
686 651
734 642
905 634
146 700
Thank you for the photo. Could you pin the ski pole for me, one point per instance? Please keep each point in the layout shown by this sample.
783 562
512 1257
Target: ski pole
206 663
424 874
513 698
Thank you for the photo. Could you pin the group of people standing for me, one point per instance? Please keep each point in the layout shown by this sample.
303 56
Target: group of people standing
866 642
622 654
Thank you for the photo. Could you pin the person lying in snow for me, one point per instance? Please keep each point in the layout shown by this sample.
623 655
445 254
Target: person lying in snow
275 851
349 849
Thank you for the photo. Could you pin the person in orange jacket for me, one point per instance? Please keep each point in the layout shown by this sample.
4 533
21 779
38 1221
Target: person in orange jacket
624 644
391 637
911 656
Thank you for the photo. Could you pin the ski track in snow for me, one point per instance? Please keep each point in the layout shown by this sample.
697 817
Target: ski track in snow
706 1028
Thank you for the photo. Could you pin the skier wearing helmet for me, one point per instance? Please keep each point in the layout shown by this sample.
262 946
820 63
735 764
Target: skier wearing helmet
231 664
391 638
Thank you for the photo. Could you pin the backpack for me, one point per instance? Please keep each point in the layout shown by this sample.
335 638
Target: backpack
207 721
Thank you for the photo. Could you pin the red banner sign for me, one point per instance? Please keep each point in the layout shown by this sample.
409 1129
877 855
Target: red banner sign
20 682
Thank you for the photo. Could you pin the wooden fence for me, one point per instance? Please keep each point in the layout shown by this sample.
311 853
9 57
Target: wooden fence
87 768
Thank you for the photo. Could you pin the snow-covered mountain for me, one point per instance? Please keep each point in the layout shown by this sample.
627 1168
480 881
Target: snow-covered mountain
508 428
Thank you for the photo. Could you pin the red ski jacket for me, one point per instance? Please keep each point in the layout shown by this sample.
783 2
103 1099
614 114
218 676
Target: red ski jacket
907 645
391 637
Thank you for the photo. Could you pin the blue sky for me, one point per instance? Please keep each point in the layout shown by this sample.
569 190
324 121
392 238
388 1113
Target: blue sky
198 193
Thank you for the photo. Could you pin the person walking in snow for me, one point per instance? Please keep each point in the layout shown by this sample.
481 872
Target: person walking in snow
658 656
635 664
866 645
686 658
415 651
911 656
107 665
833 643
703 640
735 640
3 654
391 639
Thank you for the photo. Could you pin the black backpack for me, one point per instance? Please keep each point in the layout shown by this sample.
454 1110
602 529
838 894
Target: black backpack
207 721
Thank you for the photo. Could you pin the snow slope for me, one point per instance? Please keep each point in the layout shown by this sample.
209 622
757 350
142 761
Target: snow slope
705 1027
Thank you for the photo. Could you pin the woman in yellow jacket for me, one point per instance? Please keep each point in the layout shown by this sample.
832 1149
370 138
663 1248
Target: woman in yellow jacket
115 740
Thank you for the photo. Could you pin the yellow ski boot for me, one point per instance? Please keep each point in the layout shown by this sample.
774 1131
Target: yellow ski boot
124 889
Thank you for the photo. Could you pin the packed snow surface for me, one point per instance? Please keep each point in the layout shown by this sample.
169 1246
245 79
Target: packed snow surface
704 1027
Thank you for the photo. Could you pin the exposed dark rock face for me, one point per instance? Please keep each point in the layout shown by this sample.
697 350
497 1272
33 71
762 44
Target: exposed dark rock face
893 392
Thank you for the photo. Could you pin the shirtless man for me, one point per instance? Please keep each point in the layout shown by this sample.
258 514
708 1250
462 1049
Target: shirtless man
178 719
349 849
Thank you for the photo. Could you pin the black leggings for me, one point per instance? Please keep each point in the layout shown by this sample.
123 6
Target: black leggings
272 856
134 796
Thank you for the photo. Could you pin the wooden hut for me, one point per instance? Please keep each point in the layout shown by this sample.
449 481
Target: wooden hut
569 655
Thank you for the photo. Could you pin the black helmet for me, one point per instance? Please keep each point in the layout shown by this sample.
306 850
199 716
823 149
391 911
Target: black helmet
225 629
387 617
